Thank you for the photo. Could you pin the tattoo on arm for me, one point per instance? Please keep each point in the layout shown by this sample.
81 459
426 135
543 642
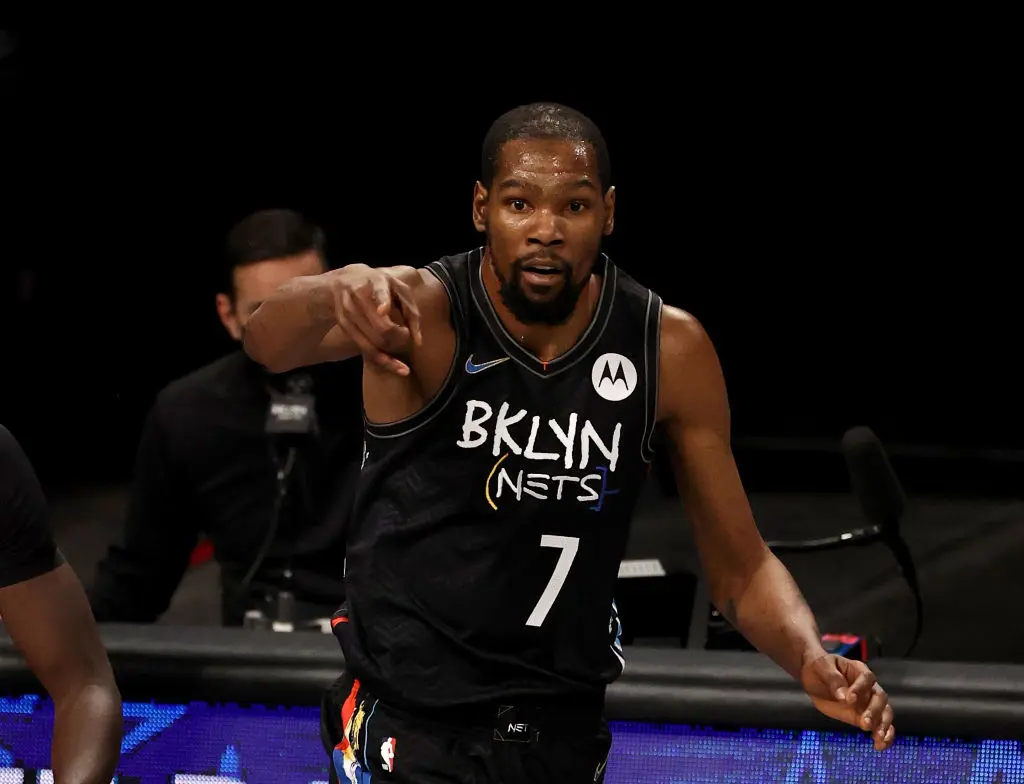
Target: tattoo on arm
319 306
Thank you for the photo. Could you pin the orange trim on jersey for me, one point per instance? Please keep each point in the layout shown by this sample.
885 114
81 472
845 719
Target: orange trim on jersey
339 619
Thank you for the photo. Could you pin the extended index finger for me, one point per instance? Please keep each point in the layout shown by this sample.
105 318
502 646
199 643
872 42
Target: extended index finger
410 310
381 295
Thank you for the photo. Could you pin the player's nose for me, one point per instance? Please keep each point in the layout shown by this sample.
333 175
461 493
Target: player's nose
546 229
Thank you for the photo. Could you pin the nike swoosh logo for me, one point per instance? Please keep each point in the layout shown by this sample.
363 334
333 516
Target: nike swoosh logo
471 368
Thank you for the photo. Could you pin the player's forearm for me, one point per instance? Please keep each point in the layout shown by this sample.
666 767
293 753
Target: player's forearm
289 328
773 615
87 735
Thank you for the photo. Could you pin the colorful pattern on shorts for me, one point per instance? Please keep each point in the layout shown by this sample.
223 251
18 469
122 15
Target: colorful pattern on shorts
348 761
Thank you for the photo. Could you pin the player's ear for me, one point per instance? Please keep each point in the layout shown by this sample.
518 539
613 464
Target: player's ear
480 195
609 210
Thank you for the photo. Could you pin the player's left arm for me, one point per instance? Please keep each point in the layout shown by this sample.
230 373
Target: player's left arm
748 584
44 609
49 620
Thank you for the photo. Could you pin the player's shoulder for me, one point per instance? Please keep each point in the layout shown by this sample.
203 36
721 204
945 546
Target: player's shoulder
444 283
634 301
454 266
450 274
681 334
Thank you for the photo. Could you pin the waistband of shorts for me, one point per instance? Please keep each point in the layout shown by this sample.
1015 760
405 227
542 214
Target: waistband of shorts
566 712
568 709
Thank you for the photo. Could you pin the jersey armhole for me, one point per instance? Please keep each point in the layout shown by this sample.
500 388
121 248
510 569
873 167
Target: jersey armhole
443 396
652 366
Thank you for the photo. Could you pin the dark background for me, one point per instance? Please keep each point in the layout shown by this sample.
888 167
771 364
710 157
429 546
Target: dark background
835 204
840 228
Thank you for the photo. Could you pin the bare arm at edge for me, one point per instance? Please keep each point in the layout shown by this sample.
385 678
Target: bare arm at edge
747 583
49 619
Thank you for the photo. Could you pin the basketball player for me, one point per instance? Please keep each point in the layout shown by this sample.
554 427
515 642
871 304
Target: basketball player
510 397
45 611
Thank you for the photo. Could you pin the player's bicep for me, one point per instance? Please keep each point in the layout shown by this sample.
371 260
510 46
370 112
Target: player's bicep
695 414
49 620
693 403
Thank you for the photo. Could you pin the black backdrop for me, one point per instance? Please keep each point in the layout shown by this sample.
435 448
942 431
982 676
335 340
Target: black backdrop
840 232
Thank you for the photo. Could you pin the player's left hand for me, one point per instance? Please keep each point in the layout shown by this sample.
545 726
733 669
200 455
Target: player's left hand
846 690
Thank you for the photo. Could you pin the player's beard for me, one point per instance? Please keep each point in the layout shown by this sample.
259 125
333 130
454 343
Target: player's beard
552 312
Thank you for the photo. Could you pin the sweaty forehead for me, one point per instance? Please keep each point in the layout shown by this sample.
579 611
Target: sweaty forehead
546 161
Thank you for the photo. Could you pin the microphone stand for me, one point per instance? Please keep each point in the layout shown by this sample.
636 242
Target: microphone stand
283 477
888 534
901 553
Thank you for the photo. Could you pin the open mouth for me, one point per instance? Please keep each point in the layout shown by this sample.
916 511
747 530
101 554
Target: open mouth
542 277
543 269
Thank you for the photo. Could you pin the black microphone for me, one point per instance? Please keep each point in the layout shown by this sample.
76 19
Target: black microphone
873 479
291 420
881 497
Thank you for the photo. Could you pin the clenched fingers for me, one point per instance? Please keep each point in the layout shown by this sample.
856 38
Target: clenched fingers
862 689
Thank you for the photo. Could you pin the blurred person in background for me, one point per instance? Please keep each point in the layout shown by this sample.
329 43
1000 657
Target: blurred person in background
213 461
44 609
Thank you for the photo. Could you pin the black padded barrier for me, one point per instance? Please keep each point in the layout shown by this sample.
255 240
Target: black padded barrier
705 688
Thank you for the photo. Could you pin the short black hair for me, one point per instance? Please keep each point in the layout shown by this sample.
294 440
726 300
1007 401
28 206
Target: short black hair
544 121
268 234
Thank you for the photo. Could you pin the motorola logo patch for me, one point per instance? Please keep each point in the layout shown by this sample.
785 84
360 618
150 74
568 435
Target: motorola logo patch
614 377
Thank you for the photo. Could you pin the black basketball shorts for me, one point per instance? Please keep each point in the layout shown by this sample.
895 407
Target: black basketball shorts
371 743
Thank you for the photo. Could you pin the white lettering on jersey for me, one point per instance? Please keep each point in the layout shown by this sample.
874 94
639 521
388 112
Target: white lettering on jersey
578 447
475 435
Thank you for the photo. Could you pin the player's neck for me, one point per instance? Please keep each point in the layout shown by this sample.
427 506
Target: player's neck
543 340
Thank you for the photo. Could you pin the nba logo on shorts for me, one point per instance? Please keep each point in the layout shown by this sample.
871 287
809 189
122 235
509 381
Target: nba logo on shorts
387 754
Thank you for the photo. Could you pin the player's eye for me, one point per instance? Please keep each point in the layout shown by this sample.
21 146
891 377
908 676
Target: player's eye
518 205
576 206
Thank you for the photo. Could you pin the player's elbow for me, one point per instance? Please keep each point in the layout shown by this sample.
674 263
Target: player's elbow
259 344
100 692
730 579
83 682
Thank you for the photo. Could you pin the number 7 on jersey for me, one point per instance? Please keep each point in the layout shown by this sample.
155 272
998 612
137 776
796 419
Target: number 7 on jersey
569 545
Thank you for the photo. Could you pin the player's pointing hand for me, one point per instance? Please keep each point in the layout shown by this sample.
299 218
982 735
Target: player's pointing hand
379 313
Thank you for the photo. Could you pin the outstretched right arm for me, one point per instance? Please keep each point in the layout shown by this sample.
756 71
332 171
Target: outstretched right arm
337 315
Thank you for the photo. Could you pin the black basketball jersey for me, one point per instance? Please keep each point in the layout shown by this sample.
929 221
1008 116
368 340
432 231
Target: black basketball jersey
489 527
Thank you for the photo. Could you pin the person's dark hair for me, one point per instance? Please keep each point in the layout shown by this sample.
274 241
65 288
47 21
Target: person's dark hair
544 121
268 234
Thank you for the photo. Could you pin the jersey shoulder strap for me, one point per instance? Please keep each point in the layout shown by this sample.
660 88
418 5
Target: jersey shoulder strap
453 273
638 311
